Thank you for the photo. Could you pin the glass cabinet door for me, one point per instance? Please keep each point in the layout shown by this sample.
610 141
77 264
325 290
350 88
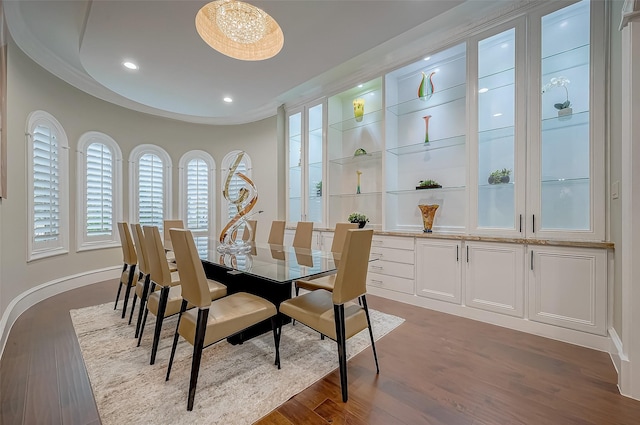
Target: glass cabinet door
305 154
569 131
499 156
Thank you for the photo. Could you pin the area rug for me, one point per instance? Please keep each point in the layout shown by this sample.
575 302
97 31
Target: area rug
237 384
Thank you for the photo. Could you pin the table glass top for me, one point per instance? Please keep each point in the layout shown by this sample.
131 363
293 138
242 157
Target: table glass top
275 262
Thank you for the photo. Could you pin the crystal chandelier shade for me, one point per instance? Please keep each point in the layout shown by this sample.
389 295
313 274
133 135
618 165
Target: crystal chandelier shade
239 30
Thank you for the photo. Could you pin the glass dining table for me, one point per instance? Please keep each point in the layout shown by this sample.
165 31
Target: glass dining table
267 271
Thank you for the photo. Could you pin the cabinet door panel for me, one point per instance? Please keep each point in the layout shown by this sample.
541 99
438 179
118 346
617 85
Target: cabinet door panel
568 287
438 270
494 279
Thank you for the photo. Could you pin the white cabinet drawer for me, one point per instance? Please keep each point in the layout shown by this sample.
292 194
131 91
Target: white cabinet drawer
390 254
392 242
392 269
391 282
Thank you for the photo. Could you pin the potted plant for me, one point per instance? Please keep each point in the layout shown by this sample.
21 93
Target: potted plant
428 184
499 176
319 188
359 218
564 108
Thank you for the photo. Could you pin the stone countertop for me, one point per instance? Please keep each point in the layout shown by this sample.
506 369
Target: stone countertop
462 237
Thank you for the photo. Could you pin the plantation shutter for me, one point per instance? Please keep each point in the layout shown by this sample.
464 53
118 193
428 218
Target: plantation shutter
46 187
151 191
99 190
198 202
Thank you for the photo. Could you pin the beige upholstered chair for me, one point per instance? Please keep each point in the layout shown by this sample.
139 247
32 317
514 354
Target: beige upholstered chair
130 260
303 235
327 282
166 237
165 302
332 313
254 228
144 281
211 321
276 234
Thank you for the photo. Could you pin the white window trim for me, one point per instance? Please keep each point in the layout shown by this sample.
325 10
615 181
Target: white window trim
34 252
85 243
134 157
226 164
182 177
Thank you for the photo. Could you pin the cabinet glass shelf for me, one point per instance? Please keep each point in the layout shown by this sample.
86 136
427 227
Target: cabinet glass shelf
574 53
316 164
357 159
487 136
504 78
424 192
438 98
353 195
554 123
351 123
432 145
571 181
499 186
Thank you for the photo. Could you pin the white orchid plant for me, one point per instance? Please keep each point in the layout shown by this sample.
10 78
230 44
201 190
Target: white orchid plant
559 82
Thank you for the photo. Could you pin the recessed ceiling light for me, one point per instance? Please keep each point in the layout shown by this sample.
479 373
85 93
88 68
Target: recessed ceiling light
130 65
564 24
360 86
228 99
504 45
498 114
427 58
483 90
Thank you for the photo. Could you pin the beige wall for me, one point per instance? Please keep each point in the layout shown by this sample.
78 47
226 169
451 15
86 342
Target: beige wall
31 88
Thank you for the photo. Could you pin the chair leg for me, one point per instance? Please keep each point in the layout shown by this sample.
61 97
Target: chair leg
162 306
293 321
201 327
146 312
338 312
119 287
133 306
183 307
277 328
132 273
143 302
373 343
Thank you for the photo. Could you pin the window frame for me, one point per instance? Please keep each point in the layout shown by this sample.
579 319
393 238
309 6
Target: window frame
60 246
134 158
183 180
85 242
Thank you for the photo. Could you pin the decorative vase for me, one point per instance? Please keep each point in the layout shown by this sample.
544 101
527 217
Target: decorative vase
359 173
358 109
425 90
426 128
361 224
428 213
565 113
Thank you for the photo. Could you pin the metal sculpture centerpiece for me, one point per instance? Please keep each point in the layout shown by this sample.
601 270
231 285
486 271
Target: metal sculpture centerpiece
244 201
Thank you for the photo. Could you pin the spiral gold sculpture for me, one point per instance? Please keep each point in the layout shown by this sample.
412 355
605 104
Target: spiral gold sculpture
244 202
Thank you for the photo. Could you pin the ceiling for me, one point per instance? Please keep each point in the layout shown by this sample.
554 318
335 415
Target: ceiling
84 43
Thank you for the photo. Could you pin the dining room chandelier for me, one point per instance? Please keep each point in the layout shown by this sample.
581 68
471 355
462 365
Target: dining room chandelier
239 30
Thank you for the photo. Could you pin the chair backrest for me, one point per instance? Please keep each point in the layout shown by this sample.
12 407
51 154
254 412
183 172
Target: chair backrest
170 224
192 278
128 250
158 267
141 248
253 224
351 280
276 235
340 234
304 234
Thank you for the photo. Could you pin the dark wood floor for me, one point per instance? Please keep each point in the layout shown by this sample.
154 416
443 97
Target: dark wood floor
435 369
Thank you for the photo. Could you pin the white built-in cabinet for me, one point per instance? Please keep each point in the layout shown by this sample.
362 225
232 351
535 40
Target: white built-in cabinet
511 128
439 269
566 287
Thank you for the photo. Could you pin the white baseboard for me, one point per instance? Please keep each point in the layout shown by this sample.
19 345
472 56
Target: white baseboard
616 352
29 298
584 339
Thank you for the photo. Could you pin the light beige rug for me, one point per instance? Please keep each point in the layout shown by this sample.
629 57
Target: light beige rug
237 384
